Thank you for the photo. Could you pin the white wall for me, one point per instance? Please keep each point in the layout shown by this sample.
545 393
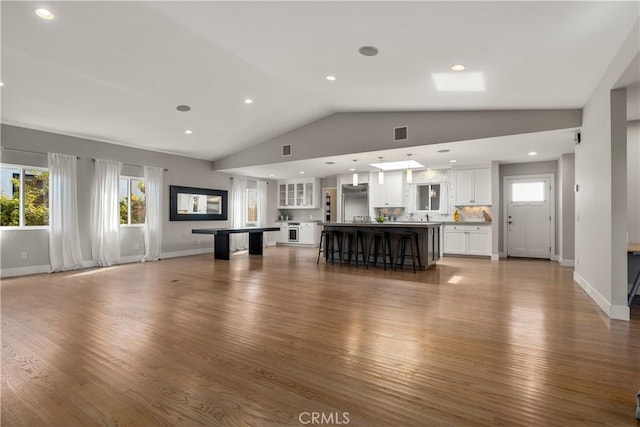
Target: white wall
177 237
601 209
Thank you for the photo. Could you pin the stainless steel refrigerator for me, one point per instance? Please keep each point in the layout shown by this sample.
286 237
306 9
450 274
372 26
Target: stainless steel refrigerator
355 201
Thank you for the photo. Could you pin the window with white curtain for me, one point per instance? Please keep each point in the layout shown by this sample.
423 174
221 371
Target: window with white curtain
24 196
131 195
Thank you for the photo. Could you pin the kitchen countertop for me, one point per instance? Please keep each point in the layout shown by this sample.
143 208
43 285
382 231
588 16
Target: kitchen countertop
466 223
398 224
286 221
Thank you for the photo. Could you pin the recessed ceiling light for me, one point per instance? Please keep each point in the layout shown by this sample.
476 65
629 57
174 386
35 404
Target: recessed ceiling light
329 163
248 101
271 175
1 84
443 151
44 13
532 153
352 169
188 131
301 172
458 67
183 108
368 50
452 161
331 78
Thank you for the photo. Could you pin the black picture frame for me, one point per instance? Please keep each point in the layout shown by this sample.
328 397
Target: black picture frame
186 204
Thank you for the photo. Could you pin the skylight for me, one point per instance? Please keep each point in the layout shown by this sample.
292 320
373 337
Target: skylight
459 82
404 164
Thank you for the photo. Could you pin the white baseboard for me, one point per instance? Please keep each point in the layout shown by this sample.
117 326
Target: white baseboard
495 257
188 252
502 254
271 244
24 271
566 262
620 312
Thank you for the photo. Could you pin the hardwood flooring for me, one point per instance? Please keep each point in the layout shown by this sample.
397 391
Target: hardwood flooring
278 340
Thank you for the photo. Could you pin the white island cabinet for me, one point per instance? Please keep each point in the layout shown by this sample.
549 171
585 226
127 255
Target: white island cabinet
467 239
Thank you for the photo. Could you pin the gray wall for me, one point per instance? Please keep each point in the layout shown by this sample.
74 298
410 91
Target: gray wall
566 197
515 169
347 133
601 208
633 181
183 171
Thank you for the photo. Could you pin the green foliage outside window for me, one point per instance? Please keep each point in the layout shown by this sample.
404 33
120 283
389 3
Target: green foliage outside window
36 200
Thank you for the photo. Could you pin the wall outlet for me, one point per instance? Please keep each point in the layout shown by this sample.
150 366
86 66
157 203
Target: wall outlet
24 256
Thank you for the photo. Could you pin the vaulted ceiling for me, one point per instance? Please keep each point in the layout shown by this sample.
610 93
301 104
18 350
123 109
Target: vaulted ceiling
115 71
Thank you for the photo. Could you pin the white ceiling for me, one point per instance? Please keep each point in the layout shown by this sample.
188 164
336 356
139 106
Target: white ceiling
115 71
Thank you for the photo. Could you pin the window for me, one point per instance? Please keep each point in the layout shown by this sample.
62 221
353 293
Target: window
252 203
527 191
132 201
428 197
24 196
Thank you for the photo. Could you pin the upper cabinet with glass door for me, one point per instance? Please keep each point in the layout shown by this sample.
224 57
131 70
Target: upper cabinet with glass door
301 193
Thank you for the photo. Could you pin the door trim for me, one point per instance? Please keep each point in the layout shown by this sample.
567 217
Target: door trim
552 203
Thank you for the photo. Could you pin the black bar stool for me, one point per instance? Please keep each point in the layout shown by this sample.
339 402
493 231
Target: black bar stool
353 244
332 245
412 240
377 239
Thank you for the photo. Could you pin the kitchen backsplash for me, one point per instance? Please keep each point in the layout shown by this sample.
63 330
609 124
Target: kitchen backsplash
300 214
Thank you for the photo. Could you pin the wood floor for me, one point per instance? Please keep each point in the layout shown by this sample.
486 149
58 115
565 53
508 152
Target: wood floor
278 340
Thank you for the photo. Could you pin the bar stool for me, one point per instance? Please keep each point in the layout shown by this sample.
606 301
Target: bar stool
353 244
376 239
412 240
331 240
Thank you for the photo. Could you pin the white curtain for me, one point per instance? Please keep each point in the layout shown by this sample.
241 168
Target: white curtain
262 207
105 213
411 199
444 198
262 203
153 217
64 238
239 213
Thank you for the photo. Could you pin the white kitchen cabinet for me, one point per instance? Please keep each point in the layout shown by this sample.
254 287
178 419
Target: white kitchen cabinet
467 239
299 194
473 187
309 233
388 194
283 234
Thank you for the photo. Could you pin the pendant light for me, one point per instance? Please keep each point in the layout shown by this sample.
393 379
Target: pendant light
409 172
380 174
355 175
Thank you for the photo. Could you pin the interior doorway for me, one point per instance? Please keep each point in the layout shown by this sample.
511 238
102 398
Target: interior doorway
529 216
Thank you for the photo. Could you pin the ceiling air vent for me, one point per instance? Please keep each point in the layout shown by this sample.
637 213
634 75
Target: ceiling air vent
286 150
400 133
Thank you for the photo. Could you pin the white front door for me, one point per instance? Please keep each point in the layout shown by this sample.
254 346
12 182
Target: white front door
529 217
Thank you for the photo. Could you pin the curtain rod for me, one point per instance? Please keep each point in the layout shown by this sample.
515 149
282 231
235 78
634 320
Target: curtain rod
131 164
30 151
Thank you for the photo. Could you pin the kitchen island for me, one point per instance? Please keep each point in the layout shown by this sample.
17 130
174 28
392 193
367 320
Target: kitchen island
428 236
